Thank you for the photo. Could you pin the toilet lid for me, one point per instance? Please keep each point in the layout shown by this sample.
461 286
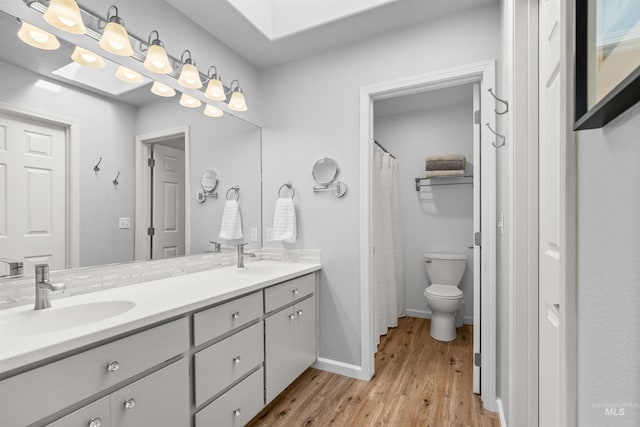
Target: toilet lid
443 291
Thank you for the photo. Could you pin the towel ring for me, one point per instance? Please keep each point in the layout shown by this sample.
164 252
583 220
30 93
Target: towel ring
290 187
236 189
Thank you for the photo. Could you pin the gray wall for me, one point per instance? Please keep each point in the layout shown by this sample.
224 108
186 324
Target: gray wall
438 218
609 272
313 111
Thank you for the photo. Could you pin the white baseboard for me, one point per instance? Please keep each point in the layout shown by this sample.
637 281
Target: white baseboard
425 314
503 420
339 368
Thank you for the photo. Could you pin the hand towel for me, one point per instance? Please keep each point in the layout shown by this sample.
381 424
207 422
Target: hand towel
437 165
447 157
231 226
440 174
284 220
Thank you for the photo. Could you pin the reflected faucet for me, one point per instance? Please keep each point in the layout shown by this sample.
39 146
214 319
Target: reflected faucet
44 288
15 267
242 254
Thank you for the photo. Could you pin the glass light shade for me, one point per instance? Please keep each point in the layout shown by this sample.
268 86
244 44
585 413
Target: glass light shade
87 58
115 39
237 101
190 77
34 36
212 111
157 60
127 75
189 101
215 90
162 90
65 15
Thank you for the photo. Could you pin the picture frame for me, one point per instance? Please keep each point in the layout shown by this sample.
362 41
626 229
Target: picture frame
607 60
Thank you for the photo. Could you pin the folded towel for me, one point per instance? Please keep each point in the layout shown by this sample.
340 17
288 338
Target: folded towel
439 165
231 226
447 157
437 174
284 220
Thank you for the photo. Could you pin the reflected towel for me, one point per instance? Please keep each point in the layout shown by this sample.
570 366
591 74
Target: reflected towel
284 221
446 157
442 165
231 226
440 174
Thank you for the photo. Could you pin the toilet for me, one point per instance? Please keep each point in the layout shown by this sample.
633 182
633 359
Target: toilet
444 298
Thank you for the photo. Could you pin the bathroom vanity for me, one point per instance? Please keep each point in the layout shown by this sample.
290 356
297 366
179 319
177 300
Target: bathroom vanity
202 349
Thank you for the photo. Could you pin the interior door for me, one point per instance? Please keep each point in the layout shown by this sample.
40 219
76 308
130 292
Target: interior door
551 251
476 229
168 203
32 193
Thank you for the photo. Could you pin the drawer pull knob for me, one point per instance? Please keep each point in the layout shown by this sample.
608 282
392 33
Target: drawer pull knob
129 403
299 312
236 359
295 292
236 412
291 316
113 366
95 422
235 315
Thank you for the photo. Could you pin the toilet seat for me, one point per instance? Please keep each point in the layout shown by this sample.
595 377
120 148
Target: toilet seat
443 292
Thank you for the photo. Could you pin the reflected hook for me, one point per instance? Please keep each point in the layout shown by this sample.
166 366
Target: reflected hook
96 168
115 181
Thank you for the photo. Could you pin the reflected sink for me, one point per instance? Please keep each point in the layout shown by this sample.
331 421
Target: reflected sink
36 322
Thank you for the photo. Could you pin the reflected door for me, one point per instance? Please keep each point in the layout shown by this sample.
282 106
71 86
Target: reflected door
32 193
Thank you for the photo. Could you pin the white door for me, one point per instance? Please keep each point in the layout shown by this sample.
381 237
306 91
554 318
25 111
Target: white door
168 201
476 230
32 193
551 251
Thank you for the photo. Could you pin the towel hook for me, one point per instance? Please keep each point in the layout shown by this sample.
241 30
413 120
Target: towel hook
290 187
236 189
115 181
506 104
502 137
96 168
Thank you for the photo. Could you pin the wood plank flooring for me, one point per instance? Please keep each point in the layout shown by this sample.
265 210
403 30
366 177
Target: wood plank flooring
418 382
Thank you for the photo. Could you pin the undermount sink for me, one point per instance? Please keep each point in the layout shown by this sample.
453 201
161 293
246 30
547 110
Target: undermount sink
35 322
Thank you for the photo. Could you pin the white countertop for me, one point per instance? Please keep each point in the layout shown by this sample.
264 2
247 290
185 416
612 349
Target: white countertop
154 301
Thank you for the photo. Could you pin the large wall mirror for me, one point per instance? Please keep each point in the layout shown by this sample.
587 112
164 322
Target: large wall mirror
76 188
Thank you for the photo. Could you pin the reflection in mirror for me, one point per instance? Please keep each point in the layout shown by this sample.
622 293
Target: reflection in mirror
208 182
58 117
325 171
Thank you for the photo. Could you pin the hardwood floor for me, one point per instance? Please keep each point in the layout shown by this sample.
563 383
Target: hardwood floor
418 382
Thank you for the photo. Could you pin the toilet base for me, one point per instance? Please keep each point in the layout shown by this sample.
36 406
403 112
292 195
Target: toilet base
443 326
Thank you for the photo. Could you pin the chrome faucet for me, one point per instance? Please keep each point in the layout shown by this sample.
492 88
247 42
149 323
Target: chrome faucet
15 267
242 254
216 246
44 288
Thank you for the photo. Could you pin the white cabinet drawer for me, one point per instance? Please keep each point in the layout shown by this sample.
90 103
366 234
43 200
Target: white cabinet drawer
287 292
218 366
97 413
236 407
160 399
213 322
40 392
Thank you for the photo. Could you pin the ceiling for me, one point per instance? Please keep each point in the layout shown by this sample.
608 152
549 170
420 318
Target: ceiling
271 32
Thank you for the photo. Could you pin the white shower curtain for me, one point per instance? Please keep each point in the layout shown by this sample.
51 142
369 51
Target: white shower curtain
388 257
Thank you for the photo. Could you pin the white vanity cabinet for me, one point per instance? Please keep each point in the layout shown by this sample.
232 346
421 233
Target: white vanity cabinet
290 332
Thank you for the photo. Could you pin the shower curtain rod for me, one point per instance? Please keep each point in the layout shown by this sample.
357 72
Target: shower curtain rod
383 149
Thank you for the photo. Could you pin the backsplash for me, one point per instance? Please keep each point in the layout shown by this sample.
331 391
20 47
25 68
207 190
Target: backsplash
20 291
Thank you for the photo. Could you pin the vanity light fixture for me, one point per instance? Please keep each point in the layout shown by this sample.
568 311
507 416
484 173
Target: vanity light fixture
115 38
157 60
212 111
127 75
189 75
87 58
37 37
189 101
162 90
65 15
215 88
237 101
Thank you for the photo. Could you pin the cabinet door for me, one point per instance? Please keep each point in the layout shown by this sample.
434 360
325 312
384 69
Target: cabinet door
160 399
96 414
305 335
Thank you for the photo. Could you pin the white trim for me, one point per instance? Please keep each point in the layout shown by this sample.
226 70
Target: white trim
142 206
336 367
485 73
501 417
72 175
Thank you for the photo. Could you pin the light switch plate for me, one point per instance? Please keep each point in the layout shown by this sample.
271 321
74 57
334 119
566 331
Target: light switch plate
269 234
254 234
124 223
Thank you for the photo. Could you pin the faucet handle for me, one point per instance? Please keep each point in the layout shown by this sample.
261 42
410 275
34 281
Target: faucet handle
16 268
217 247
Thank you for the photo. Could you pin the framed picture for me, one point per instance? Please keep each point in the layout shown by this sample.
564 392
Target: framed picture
607 60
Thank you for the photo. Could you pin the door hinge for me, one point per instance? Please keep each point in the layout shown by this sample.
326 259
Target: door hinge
476 117
477 238
477 359
151 231
151 163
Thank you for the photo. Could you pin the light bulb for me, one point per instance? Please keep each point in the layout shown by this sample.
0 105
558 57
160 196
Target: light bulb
189 101
87 58
215 90
212 111
237 101
127 75
36 37
190 77
115 38
162 90
157 60
65 15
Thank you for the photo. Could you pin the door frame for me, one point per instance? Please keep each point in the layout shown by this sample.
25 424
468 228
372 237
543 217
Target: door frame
143 196
483 72
72 174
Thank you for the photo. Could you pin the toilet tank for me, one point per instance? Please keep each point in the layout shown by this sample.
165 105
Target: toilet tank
445 268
